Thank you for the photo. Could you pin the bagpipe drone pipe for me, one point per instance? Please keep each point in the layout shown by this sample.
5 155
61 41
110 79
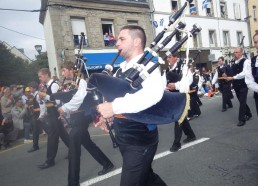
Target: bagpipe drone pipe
171 108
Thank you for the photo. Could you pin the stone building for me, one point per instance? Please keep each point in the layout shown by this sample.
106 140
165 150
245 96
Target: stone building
253 20
64 20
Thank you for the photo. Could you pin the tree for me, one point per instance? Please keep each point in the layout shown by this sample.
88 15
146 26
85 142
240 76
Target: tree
14 70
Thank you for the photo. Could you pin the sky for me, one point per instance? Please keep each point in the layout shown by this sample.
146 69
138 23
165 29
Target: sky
23 22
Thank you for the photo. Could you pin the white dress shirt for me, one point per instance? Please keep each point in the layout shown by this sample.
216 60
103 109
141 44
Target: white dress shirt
151 92
241 75
249 79
77 99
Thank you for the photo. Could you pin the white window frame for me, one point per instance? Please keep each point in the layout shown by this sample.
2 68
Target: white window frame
212 38
226 38
79 26
239 35
237 11
223 5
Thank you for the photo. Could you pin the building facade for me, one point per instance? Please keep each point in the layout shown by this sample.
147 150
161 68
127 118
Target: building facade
223 26
64 20
17 52
253 19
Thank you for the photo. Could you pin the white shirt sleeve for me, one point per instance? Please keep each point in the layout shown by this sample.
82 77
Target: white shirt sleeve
151 93
77 99
186 81
249 79
215 78
42 107
241 75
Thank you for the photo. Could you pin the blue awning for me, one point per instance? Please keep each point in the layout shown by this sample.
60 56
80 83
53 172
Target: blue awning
97 61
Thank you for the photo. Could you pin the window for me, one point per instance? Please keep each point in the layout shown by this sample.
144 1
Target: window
108 30
237 11
223 9
78 27
193 8
212 38
254 13
130 22
226 40
239 38
197 40
206 5
174 6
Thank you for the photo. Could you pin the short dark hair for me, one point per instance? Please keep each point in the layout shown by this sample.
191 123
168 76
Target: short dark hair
68 65
45 71
136 32
221 57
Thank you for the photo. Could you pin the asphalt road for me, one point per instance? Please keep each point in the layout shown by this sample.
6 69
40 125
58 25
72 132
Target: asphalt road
223 154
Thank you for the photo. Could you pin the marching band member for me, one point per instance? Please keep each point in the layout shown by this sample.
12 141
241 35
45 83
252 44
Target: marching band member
55 127
137 141
239 85
38 110
174 76
251 73
221 73
79 135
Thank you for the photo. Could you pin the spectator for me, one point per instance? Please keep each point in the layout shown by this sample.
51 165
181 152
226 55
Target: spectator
10 133
19 114
25 95
7 103
15 92
106 39
112 40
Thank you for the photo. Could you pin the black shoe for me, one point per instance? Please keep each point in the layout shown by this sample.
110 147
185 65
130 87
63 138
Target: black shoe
46 165
223 110
32 149
248 116
241 123
230 106
175 148
187 140
106 169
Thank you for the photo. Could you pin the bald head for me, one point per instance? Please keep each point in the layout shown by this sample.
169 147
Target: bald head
238 53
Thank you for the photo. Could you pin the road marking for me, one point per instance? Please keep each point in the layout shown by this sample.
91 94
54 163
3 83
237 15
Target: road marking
157 156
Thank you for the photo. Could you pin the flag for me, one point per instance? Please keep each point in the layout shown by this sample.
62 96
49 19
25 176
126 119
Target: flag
206 4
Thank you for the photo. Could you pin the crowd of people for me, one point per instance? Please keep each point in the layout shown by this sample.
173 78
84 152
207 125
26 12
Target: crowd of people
28 109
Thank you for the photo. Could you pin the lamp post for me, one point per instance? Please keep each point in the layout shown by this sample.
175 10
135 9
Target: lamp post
38 48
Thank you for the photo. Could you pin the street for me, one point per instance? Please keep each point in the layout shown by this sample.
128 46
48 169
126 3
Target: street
223 154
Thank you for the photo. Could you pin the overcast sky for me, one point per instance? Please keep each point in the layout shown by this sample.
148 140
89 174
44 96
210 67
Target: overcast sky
24 22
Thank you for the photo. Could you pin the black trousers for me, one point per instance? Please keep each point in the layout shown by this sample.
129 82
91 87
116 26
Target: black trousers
256 104
37 126
226 95
79 135
136 169
194 107
179 129
55 129
244 109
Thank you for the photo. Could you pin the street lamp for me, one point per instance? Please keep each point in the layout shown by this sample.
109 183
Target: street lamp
38 48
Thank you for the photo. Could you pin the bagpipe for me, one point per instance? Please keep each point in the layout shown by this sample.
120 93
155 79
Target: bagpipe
172 107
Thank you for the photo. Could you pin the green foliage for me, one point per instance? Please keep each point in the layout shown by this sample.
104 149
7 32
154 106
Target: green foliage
14 70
